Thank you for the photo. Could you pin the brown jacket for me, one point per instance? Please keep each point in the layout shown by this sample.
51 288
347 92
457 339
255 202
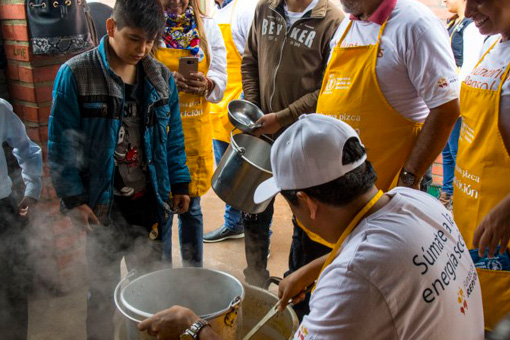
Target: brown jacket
282 68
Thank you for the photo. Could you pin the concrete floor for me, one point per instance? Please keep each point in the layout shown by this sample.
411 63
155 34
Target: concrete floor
63 318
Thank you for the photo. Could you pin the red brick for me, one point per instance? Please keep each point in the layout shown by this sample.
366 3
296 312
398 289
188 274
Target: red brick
63 226
16 32
437 170
30 93
32 74
50 210
18 52
68 241
72 258
48 193
12 11
33 113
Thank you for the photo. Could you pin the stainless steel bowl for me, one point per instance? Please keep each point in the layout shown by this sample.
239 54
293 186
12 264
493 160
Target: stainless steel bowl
244 115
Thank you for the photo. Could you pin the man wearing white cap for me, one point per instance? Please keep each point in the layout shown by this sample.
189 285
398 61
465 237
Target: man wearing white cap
399 269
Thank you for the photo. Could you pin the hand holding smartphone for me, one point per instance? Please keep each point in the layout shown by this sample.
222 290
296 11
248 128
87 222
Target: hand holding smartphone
188 65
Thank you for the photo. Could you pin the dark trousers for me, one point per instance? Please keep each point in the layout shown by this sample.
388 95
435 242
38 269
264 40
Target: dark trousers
303 251
16 273
127 235
256 232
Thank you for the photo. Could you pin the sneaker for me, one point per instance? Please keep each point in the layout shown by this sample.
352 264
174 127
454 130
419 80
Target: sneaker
222 234
446 200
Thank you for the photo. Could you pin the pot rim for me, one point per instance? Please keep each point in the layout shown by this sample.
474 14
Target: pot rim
139 313
237 150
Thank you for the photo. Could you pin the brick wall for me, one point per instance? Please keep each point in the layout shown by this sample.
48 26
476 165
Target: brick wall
57 244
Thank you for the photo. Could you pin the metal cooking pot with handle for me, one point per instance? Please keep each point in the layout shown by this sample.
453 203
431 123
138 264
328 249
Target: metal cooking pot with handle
213 295
245 164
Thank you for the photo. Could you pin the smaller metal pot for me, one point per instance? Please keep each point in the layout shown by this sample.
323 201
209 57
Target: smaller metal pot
244 115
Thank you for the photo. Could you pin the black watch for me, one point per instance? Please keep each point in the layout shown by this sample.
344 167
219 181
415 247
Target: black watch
408 178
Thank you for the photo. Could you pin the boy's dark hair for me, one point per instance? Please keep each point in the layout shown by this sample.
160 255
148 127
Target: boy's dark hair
147 15
345 189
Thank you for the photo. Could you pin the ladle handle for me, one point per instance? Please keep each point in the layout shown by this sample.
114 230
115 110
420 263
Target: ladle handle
116 296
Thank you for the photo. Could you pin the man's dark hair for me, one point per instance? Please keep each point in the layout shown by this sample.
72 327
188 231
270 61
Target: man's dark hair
147 15
345 189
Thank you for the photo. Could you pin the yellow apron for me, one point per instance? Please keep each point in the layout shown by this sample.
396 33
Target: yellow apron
219 112
350 92
196 125
481 182
349 229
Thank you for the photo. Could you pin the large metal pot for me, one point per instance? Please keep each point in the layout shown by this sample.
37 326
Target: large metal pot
256 304
245 164
213 295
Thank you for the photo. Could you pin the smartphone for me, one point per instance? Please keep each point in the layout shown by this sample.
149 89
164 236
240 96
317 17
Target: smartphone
188 65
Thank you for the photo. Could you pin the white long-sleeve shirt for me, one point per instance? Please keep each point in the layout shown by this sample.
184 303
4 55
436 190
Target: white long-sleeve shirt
27 153
240 16
218 68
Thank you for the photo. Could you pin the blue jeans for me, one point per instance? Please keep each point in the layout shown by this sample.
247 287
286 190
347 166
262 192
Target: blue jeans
450 158
191 232
233 217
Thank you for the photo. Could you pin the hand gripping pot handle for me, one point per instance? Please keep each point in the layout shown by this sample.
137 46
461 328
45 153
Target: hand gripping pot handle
116 296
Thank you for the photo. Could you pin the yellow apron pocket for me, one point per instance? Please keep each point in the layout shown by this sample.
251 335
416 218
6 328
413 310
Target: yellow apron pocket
495 286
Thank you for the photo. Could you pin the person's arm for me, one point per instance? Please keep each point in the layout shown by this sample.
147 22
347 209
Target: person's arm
178 172
432 138
27 153
218 68
65 149
432 70
250 64
170 323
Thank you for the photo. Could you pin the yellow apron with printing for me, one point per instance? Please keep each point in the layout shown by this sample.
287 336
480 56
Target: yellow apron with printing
481 182
351 92
219 112
196 125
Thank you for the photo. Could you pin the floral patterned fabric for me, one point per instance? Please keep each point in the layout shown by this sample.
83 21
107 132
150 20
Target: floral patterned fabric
181 31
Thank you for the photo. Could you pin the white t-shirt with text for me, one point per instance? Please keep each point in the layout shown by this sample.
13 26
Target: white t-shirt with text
404 273
416 71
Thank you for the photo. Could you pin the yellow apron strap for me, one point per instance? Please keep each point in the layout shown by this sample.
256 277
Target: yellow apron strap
349 229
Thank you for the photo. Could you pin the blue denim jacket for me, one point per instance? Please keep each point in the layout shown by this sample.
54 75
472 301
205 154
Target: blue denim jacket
86 115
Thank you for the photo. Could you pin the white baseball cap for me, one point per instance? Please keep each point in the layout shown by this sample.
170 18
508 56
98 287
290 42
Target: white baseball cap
307 154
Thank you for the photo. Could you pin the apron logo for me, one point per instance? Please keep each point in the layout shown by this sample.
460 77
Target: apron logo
466 133
442 83
337 83
461 299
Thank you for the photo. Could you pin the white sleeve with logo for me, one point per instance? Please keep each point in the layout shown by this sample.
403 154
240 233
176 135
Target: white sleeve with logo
343 307
431 66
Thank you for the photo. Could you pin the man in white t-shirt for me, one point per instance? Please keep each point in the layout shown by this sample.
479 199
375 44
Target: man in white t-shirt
400 268
404 95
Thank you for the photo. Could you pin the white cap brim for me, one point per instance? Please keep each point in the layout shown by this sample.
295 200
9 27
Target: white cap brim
266 190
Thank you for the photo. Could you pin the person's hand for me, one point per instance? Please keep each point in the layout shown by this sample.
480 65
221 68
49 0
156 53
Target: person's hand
494 229
83 216
180 203
294 287
180 82
24 206
269 123
169 324
197 84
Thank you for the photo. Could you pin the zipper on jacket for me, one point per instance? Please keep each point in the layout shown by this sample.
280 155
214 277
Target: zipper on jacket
281 55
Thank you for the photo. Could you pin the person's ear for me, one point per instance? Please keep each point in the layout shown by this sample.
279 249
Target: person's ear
310 203
110 27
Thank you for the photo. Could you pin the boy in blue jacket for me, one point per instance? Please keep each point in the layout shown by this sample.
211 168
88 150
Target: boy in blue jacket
116 150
